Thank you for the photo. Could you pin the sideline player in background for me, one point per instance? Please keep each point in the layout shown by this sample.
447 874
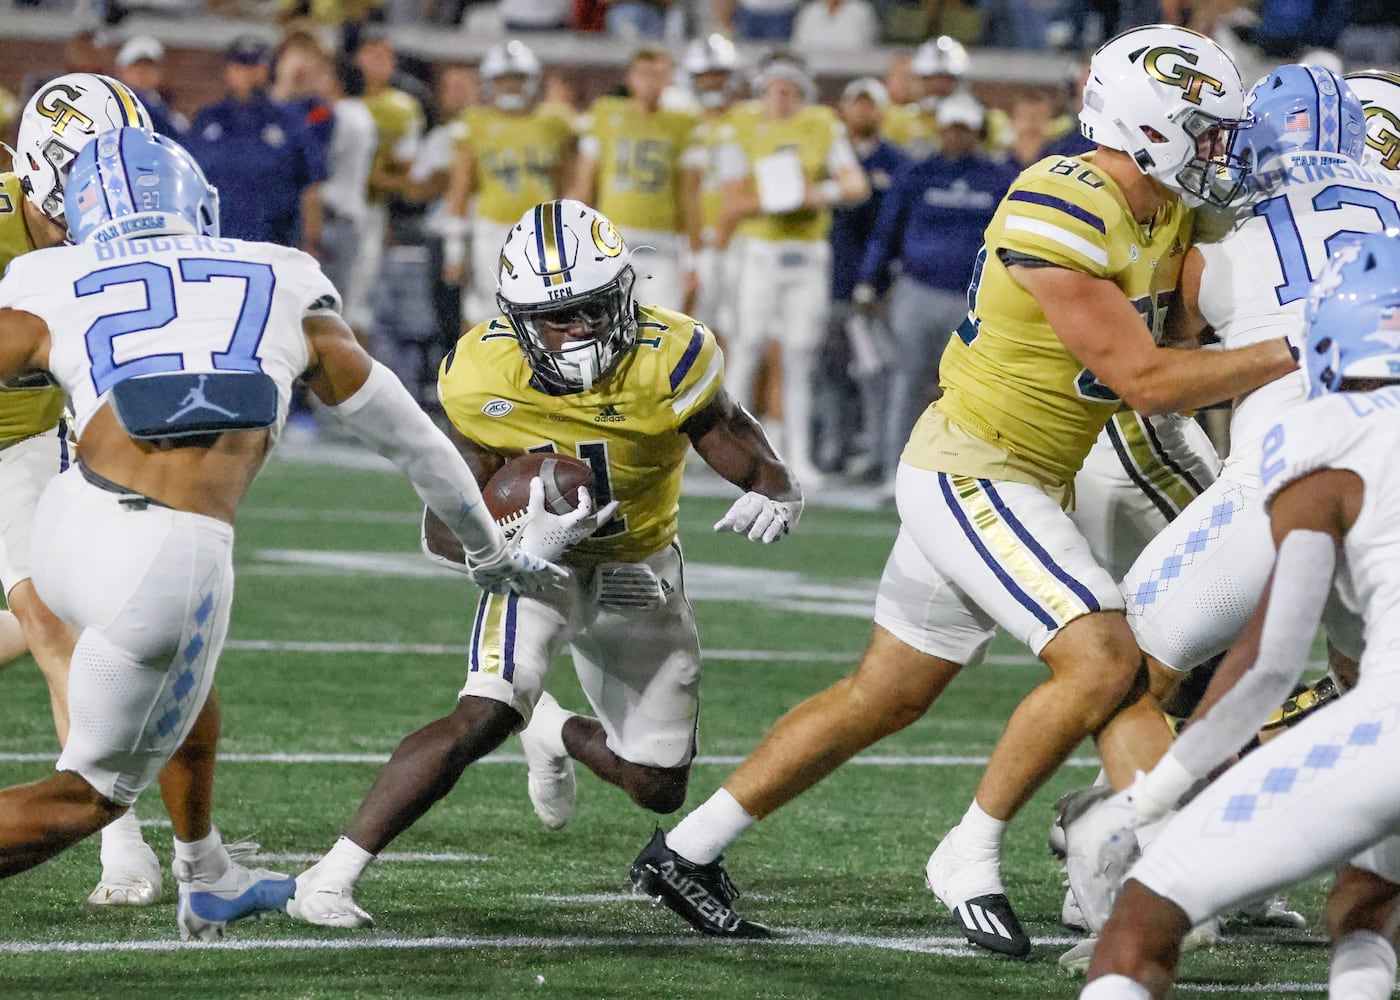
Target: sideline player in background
178 350
1068 292
1325 790
61 118
789 162
512 154
629 167
629 389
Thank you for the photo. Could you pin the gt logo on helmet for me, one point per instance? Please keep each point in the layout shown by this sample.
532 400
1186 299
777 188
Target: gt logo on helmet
52 105
607 239
1385 140
1190 80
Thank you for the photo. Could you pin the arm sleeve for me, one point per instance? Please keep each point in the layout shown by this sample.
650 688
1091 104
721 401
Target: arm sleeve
1301 583
888 232
384 416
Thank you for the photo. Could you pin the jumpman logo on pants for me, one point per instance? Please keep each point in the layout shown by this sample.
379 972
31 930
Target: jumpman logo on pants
195 400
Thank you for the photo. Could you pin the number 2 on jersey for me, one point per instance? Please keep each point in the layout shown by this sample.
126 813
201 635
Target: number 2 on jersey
158 282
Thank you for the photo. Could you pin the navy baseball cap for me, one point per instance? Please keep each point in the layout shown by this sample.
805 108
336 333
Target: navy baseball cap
248 50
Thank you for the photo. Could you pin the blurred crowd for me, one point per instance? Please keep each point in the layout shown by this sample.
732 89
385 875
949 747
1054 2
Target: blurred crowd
830 246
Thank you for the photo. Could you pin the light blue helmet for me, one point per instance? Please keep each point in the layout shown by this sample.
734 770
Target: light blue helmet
130 182
1304 108
1353 315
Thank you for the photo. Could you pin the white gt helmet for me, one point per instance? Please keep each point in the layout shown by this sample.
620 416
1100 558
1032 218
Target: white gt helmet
784 65
1380 99
58 121
1160 93
514 58
714 54
565 284
941 56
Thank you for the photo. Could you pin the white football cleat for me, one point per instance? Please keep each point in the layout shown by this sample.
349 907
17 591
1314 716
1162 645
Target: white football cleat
326 904
130 878
552 784
1204 935
1272 911
207 906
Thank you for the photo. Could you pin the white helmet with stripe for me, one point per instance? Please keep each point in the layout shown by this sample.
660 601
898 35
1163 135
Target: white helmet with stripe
516 59
58 121
1380 100
565 284
1172 100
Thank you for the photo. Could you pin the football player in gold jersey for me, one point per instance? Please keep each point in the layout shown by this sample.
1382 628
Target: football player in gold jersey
1080 260
575 366
34 439
787 162
512 154
629 166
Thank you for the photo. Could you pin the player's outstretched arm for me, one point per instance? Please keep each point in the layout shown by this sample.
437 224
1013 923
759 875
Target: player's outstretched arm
378 409
733 444
1100 327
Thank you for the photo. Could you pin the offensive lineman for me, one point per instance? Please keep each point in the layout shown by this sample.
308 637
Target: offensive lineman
630 389
1079 261
178 350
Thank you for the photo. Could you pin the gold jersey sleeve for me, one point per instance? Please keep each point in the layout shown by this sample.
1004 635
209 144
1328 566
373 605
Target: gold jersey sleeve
517 158
810 133
1006 377
629 428
639 162
23 412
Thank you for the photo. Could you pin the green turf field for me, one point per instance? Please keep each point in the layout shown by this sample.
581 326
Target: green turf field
344 640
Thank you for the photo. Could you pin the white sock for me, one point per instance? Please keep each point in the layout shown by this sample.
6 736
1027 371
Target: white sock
1114 987
120 836
1363 967
978 832
703 835
547 724
204 859
345 862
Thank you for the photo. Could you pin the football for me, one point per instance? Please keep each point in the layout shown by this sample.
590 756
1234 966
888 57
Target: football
507 493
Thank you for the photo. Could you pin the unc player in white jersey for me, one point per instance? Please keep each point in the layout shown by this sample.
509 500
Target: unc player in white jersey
1328 788
178 350
1190 591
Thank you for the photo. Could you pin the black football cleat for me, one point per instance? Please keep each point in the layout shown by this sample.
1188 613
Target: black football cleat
989 922
699 894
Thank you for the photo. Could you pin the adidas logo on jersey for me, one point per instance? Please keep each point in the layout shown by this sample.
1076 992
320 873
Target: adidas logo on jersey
609 415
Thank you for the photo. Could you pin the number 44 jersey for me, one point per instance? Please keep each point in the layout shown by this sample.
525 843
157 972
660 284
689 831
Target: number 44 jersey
168 304
1261 255
1007 378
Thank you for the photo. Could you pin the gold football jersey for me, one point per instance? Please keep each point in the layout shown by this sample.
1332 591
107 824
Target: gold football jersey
628 428
517 158
23 412
911 128
1006 377
810 133
639 162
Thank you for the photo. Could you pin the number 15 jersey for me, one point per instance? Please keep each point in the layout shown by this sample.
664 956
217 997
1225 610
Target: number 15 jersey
1006 377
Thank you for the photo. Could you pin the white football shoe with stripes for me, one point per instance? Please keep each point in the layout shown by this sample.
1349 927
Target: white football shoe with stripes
971 889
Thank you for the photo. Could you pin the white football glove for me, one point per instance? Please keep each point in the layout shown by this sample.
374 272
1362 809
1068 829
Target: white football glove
761 518
511 571
548 536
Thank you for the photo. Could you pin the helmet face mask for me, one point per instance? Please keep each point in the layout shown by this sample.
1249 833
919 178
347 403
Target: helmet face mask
1172 100
60 119
566 286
